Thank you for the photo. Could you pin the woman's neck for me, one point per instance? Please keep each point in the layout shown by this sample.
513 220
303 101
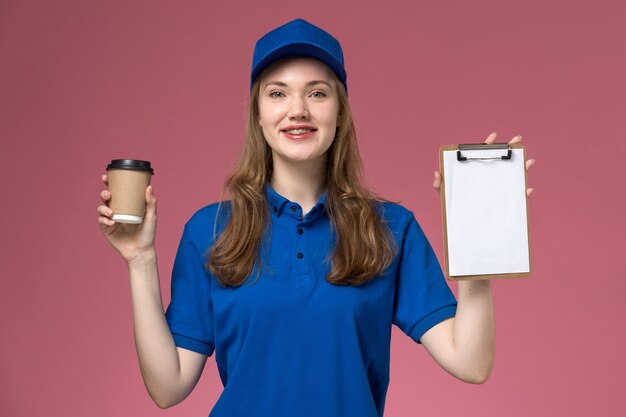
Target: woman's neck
302 183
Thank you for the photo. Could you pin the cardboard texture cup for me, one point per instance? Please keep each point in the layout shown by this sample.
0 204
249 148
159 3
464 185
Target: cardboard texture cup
128 180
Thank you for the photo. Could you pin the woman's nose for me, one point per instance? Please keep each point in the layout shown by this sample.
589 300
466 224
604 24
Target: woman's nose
298 109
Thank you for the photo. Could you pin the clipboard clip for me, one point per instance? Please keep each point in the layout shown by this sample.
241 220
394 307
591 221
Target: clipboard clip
482 146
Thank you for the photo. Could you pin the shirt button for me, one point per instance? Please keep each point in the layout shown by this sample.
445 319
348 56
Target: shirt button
299 231
293 208
300 255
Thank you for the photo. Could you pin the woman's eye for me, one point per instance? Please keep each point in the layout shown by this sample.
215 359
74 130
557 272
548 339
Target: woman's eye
276 94
318 94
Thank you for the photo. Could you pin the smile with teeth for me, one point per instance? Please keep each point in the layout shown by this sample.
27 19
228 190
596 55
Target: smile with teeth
298 131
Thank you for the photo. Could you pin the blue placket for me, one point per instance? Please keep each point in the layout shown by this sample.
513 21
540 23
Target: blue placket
300 229
300 248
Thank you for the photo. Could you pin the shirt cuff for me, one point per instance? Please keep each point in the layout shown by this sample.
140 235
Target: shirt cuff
193 344
432 319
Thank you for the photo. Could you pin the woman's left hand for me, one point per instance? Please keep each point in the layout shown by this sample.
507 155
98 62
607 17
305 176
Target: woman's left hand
491 139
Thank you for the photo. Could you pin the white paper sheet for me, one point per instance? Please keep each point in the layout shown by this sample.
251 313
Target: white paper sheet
486 213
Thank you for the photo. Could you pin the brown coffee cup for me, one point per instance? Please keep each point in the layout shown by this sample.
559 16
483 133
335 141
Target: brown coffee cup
128 180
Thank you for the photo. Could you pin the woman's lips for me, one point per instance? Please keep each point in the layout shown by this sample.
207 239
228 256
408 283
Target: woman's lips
299 136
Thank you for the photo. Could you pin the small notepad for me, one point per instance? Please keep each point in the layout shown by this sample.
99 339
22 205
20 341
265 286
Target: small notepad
485 214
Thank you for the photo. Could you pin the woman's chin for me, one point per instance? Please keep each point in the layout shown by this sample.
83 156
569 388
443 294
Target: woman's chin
300 158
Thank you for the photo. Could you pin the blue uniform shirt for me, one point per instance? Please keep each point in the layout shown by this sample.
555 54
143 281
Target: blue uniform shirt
291 344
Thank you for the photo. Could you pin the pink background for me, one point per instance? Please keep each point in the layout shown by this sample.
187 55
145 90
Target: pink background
85 82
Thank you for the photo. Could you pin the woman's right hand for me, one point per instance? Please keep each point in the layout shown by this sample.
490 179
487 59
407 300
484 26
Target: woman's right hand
130 240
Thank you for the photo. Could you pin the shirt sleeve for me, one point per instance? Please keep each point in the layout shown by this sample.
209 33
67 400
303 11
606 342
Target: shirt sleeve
190 312
422 298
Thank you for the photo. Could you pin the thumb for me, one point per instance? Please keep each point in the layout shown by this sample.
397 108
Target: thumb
437 180
151 202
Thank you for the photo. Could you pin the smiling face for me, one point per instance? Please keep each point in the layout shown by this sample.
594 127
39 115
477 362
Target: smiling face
298 109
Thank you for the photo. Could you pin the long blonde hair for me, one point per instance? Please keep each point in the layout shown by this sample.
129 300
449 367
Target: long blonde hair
365 246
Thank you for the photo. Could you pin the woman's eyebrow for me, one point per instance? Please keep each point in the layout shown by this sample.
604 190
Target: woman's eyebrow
314 82
308 84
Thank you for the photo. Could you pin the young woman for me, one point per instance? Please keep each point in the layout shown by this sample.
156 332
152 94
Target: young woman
295 281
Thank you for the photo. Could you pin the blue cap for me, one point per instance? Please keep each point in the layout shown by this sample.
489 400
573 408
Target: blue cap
298 38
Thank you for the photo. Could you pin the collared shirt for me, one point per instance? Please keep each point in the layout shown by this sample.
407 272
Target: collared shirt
288 343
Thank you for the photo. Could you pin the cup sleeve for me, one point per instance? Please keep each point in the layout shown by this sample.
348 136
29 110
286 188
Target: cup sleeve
190 312
422 298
